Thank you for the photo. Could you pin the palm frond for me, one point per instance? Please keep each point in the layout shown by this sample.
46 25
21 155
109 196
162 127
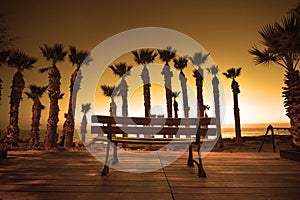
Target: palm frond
214 69
109 91
85 107
167 54
199 58
78 57
175 94
42 70
180 63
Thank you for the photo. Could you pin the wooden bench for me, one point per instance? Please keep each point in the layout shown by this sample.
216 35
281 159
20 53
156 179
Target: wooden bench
147 130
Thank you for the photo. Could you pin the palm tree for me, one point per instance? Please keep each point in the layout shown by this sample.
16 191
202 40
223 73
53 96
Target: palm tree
282 46
232 73
144 57
197 60
110 91
180 64
214 70
76 57
167 55
35 94
122 70
20 61
54 54
83 126
175 104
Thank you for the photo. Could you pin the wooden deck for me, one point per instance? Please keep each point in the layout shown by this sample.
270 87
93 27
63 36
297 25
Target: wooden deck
76 175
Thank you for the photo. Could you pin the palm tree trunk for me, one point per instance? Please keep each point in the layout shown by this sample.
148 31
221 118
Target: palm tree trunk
124 94
147 85
113 108
83 126
12 131
68 128
199 85
54 95
35 124
183 81
215 83
168 87
236 91
292 103
176 108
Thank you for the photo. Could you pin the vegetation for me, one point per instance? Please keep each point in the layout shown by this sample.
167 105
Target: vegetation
54 54
281 43
144 57
167 55
180 64
199 59
85 108
35 94
20 61
110 91
214 70
122 70
233 73
76 57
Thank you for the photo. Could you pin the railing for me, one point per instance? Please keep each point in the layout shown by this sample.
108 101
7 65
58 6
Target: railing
271 128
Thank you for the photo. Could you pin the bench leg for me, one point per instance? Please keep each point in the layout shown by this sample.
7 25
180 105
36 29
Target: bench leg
106 167
201 171
190 161
115 154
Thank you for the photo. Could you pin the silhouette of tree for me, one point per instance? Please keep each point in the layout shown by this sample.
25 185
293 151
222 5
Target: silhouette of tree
122 70
144 57
35 94
20 61
199 59
76 57
214 70
180 64
85 108
54 54
175 104
282 46
167 55
232 73
110 91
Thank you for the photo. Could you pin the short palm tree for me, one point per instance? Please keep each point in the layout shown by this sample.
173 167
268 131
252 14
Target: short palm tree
122 70
76 57
214 70
175 104
180 64
167 55
20 61
197 60
54 54
83 126
110 91
35 94
144 57
232 73
282 46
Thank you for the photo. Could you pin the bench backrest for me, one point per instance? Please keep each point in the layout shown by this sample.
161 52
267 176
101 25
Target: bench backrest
148 127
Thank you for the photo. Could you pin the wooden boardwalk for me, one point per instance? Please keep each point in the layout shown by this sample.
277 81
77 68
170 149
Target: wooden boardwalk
76 175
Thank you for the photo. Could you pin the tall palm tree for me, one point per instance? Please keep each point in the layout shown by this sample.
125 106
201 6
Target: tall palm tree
110 91
144 57
20 61
197 60
232 73
175 104
122 70
54 54
180 64
282 46
83 126
76 57
167 55
35 94
214 70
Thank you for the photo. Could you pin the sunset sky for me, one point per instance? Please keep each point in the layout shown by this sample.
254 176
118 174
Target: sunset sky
226 29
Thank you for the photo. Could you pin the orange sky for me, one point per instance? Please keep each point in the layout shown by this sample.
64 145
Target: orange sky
226 29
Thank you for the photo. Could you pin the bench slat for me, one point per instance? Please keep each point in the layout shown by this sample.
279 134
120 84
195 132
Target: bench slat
154 130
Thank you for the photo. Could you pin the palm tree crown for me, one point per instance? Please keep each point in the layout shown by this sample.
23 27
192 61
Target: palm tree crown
78 57
121 69
214 70
108 91
20 60
232 73
55 53
145 56
36 91
180 63
167 54
85 108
